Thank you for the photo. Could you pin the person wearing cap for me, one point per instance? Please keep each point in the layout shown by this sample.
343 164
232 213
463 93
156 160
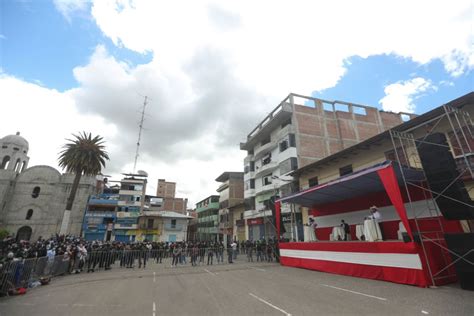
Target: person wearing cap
375 215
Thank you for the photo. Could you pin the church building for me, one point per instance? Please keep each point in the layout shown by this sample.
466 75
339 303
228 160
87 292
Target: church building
33 199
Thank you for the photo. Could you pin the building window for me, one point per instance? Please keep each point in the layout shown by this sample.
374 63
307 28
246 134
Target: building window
283 145
17 165
149 223
267 159
292 140
250 184
345 170
36 192
312 182
173 223
29 214
5 162
252 166
267 180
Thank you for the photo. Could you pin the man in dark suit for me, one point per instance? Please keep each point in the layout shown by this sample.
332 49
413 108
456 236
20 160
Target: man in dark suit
347 230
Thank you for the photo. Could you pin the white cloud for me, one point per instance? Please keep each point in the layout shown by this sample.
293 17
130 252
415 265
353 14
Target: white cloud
218 68
45 117
68 7
399 96
446 83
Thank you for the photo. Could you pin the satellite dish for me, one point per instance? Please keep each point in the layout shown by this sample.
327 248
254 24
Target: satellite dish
142 173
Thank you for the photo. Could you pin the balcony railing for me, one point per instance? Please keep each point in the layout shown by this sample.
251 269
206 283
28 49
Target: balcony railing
266 168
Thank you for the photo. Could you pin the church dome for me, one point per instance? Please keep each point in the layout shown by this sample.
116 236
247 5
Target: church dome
15 140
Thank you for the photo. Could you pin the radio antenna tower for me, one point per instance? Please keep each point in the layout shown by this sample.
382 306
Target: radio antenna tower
140 133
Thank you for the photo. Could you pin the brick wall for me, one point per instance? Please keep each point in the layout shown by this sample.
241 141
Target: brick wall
321 133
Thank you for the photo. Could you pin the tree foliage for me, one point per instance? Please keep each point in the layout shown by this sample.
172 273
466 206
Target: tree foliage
84 154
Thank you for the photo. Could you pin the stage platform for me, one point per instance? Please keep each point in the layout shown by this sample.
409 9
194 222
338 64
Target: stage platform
393 261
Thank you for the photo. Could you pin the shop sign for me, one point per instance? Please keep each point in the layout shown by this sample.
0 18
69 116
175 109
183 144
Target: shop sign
255 221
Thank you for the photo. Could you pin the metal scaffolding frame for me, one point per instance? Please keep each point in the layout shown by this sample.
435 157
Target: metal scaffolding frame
405 146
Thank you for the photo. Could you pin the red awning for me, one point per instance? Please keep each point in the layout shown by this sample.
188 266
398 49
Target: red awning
360 183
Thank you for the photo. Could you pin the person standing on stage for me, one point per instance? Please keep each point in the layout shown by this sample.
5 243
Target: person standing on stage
311 229
375 215
347 230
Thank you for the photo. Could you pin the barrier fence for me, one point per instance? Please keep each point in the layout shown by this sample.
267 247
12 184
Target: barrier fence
32 272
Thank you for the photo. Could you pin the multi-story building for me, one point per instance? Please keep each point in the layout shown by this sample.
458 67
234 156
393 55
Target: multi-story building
299 131
192 233
175 226
162 226
130 205
166 191
208 218
100 216
240 231
231 193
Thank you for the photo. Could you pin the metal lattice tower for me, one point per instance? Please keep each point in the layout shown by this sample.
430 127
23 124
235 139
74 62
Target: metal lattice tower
140 133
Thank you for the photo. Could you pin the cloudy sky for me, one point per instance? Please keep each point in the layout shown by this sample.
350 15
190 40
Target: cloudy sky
213 70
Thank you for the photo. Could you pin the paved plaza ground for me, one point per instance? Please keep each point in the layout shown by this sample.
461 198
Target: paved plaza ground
237 289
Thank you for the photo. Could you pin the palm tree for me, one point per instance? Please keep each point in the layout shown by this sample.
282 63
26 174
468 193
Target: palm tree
83 155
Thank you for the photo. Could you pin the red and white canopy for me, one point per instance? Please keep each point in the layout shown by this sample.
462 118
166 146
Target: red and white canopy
386 176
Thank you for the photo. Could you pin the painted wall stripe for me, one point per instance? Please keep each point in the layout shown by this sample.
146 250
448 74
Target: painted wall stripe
397 260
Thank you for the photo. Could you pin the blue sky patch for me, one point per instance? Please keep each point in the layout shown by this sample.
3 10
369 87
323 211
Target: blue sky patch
365 80
39 45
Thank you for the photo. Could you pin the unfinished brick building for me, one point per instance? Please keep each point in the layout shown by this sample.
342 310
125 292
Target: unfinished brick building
299 131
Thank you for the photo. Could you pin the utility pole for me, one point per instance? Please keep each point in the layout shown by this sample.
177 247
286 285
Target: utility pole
140 133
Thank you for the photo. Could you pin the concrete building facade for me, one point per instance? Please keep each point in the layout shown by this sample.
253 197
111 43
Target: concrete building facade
130 205
208 218
300 131
32 200
101 216
231 193
166 189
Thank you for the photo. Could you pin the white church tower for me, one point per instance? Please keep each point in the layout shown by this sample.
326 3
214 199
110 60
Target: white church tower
13 153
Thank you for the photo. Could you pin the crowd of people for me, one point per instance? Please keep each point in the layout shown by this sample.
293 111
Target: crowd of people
81 253
70 254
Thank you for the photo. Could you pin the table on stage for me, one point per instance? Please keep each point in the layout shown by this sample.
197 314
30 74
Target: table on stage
372 230
359 231
337 232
